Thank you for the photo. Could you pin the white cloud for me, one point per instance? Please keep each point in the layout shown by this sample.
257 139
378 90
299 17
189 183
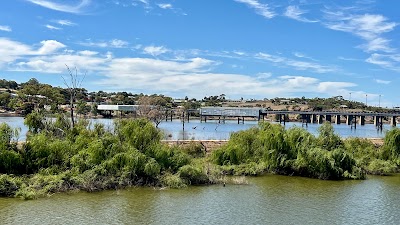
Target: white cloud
264 75
296 64
115 43
76 9
334 87
65 23
387 61
5 28
145 3
155 50
50 46
294 12
369 27
88 53
261 9
165 5
348 59
377 44
51 27
382 81
13 50
194 77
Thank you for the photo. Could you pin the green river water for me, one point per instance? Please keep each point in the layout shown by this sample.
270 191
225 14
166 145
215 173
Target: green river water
270 199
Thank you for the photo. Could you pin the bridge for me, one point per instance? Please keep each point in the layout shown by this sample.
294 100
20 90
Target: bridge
352 118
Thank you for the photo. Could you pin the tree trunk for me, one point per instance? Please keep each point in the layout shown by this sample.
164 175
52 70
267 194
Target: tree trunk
72 113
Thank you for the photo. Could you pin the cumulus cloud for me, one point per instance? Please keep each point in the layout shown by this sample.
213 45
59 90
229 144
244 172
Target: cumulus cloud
50 46
13 50
196 76
260 8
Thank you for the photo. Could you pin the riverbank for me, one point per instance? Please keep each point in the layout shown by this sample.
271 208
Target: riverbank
211 145
56 158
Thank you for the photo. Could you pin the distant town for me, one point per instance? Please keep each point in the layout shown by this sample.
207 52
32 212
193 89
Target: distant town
23 98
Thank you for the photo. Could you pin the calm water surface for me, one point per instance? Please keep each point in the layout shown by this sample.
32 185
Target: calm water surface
212 130
269 199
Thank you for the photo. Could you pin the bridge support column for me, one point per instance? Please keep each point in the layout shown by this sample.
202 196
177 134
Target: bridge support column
349 119
320 119
305 119
313 118
393 121
328 118
337 119
376 120
362 120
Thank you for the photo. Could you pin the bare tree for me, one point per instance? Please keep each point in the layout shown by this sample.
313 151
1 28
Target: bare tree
73 87
148 108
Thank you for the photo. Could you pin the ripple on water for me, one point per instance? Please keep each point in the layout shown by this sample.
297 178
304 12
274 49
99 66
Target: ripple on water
266 200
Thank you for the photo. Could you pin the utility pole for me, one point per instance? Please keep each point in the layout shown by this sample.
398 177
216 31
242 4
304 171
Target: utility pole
379 101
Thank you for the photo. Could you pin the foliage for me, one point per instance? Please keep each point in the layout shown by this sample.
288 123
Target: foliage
35 122
294 151
57 157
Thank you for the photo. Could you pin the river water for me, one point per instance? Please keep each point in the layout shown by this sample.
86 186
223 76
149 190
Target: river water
269 199
212 130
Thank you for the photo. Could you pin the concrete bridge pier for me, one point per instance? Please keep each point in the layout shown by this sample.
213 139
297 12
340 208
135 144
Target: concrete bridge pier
362 120
328 118
282 118
320 119
393 121
337 119
376 120
313 118
305 119
349 119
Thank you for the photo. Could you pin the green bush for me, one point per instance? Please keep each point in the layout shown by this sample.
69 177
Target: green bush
193 175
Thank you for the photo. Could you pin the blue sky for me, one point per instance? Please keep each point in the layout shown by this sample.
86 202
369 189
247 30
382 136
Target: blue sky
196 48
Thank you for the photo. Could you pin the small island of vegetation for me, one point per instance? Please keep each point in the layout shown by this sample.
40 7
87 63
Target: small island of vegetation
59 157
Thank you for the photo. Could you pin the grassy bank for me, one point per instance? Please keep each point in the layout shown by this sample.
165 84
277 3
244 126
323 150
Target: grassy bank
57 157
271 148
